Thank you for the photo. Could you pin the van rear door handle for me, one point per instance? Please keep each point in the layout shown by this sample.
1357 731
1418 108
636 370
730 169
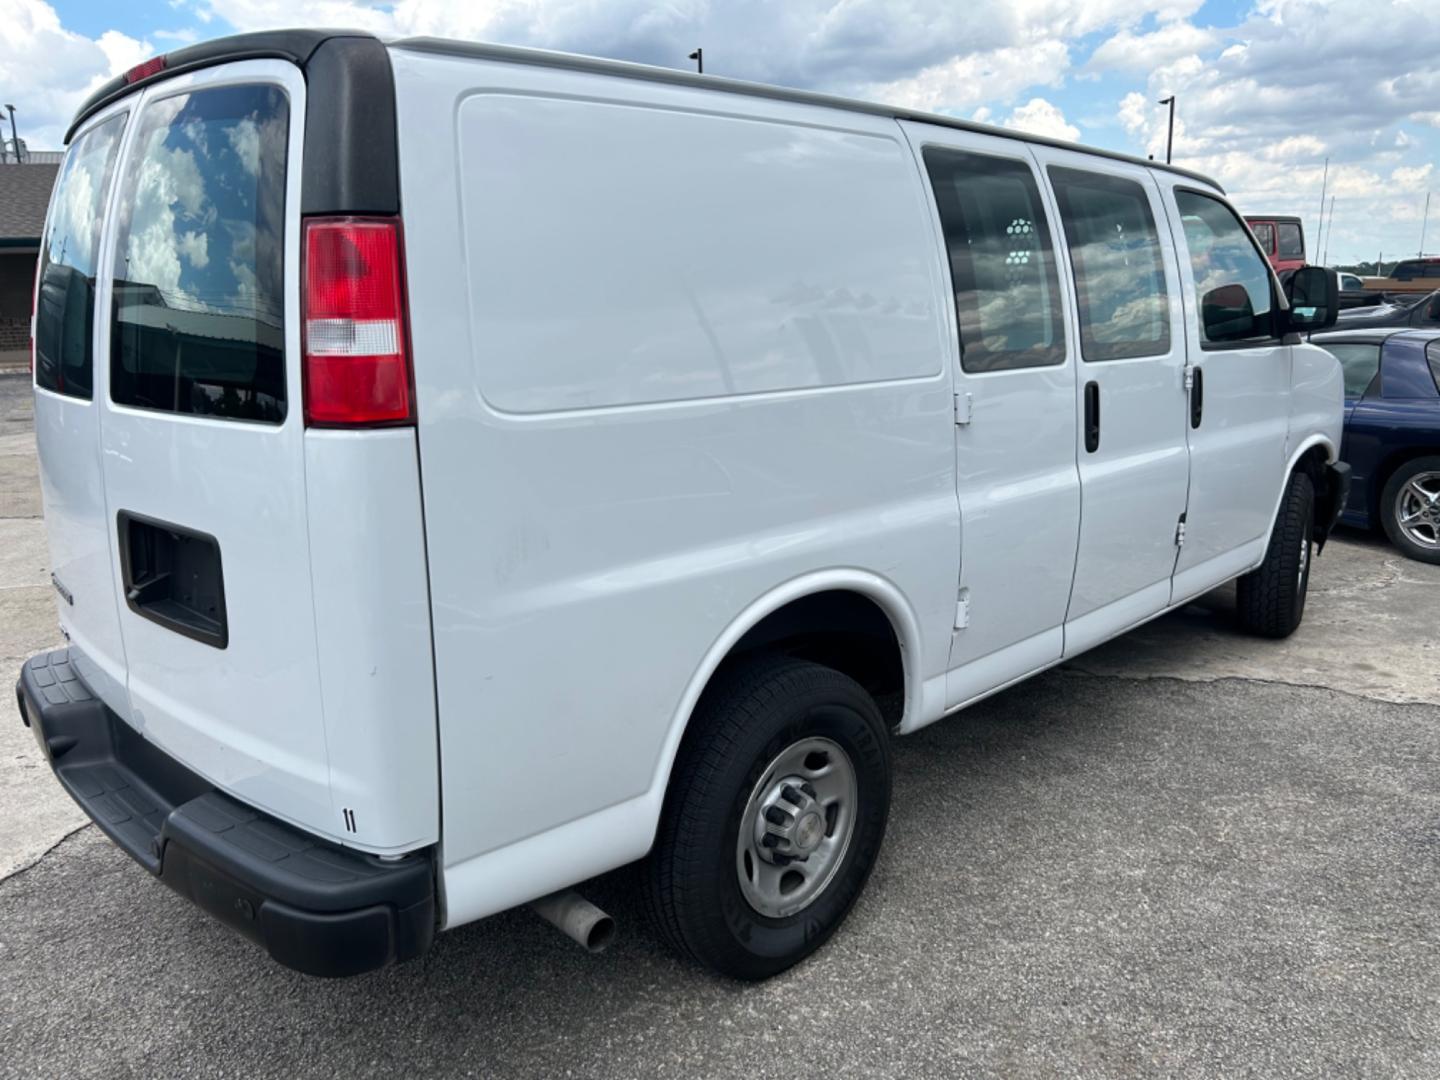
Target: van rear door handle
1197 397
1092 417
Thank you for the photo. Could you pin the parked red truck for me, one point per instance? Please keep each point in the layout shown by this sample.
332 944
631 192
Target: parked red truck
1281 237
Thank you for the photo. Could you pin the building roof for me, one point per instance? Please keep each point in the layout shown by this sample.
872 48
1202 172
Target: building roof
24 198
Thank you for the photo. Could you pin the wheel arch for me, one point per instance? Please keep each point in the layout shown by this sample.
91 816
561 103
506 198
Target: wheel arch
1311 457
748 630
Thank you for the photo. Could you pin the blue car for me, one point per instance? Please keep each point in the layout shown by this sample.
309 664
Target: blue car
1392 433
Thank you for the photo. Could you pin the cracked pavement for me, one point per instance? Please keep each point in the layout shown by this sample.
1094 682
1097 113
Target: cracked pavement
1188 853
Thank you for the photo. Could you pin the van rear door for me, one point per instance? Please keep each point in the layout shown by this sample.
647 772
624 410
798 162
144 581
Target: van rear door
67 422
203 439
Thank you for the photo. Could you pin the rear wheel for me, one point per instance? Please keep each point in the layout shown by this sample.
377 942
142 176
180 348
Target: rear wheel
1271 598
1410 509
775 814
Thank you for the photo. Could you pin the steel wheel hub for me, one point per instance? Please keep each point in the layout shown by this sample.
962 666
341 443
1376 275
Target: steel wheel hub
796 827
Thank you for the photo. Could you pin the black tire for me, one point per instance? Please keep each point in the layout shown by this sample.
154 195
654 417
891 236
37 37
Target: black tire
746 719
1271 598
1427 469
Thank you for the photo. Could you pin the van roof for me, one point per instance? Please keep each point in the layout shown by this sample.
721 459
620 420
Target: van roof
675 76
298 46
1288 218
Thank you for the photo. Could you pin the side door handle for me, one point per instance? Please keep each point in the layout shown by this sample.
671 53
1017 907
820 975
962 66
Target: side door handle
1092 417
1197 398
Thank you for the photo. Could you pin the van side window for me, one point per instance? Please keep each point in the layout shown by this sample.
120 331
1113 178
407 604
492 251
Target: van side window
199 303
1119 269
1292 244
1232 281
1265 234
65 307
1360 363
1001 264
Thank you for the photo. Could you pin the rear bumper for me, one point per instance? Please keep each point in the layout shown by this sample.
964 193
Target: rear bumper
315 907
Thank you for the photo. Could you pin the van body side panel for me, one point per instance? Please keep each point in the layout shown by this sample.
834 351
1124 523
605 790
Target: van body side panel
681 350
372 625
1318 383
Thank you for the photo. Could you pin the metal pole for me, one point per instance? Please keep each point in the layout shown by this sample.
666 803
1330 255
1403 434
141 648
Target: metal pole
699 57
1329 229
1424 222
14 138
1169 138
1324 183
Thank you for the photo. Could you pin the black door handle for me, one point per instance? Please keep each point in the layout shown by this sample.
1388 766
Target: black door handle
1092 417
1197 397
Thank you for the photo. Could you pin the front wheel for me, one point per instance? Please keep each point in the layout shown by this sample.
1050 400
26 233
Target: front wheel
1271 598
774 817
1410 509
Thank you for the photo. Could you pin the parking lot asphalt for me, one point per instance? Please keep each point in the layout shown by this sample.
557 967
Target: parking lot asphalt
1187 853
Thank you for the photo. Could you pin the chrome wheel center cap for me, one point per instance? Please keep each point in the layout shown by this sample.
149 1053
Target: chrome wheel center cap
792 822
808 831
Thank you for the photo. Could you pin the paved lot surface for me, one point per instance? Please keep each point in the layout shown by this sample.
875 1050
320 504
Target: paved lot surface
1190 853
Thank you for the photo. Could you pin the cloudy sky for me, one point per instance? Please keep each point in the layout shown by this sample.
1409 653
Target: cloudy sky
1267 91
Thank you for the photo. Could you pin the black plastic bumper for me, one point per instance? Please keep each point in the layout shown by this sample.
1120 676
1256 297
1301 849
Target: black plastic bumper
1334 497
315 907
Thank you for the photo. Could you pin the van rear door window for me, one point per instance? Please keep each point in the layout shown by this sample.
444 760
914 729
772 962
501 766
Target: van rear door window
1119 269
1001 264
1265 234
199 305
1292 242
65 306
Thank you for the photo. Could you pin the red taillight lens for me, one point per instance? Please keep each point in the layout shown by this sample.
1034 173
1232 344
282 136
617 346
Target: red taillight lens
357 371
153 66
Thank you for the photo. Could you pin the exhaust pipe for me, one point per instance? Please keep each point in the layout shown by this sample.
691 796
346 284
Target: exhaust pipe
577 919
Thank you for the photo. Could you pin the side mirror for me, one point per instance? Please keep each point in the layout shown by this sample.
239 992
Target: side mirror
1227 314
1314 299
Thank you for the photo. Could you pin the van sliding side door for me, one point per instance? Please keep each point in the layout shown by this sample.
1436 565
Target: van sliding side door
1130 405
1015 426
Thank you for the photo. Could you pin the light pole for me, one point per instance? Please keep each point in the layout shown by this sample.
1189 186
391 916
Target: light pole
699 57
1424 222
14 138
1170 138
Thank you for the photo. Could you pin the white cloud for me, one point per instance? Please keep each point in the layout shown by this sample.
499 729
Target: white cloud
1040 117
244 139
1263 97
195 246
964 82
1416 178
51 69
1302 81
1131 52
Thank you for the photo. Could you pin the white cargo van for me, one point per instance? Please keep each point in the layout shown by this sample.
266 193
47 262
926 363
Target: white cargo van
468 470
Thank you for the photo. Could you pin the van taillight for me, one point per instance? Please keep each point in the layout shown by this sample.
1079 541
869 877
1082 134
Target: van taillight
357 368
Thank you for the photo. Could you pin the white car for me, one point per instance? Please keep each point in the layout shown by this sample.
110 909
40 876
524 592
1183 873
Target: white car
691 441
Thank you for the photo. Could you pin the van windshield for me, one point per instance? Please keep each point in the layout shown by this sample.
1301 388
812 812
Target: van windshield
199 300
